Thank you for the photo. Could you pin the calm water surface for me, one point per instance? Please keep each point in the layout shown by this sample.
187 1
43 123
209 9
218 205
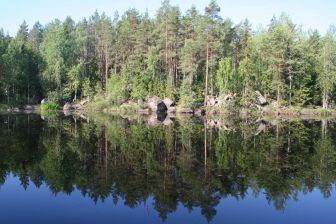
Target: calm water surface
135 170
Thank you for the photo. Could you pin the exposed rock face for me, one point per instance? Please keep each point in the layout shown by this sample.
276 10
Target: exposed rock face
161 107
155 104
260 126
67 107
219 101
44 101
167 121
171 110
306 111
30 108
78 106
200 112
261 100
27 109
152 102
220 124
168 102
153 121
228 97
81 104
212 101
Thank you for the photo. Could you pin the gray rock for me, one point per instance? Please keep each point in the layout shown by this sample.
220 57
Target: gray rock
168 102
306 111
161 107
212 101
200 112
171 110
152 121
67 107
167 121
155 104
261 100
44 101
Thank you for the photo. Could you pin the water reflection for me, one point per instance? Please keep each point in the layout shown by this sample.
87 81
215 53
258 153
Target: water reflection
190 162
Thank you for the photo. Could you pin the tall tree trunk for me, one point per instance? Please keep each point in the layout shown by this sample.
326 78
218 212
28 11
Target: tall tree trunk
278 93
325 99
106 70
290 86
28 93
211 72
324 127
206 75
166 50
205 145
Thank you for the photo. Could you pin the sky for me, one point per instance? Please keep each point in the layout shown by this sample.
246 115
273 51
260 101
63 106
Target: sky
314 14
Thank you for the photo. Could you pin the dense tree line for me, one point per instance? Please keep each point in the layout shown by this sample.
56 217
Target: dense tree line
186 57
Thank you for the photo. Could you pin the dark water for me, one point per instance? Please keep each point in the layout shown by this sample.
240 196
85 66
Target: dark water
117 170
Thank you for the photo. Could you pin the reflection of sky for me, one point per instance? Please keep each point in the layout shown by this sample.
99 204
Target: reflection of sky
41 206
316 14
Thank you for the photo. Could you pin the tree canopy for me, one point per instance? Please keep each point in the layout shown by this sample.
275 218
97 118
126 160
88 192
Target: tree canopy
135 55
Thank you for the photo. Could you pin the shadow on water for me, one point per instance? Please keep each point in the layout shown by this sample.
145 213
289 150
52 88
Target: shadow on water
190 161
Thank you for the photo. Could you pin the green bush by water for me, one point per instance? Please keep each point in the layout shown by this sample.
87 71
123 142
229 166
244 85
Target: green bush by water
50 106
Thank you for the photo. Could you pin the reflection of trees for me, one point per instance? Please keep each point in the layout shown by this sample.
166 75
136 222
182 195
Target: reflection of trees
118 158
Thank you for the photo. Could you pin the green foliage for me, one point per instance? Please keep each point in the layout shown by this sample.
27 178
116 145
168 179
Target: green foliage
49 106
133 56
225 76
187 97
118 89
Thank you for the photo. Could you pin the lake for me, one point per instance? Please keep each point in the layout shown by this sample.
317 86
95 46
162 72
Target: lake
113 169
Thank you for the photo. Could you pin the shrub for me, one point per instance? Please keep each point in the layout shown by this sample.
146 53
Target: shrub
50 106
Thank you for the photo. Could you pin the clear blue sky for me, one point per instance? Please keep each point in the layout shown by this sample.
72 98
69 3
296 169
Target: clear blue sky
316 14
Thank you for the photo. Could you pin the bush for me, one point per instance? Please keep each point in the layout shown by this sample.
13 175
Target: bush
118 89
50 106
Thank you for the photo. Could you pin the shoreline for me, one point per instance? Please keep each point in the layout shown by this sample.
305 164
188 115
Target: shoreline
200 111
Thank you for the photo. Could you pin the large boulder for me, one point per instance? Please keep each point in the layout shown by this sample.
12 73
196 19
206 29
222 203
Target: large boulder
171 110
212 101
167 121
200 112
168 102
261 100
308 112
152 121
155 104
161 107
67 107
152 102
260 126
44 101
30 108
82 103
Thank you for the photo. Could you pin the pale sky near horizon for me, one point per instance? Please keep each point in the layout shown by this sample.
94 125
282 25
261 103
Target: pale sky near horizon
314 14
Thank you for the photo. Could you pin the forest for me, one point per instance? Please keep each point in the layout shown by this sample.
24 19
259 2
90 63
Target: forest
186 57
